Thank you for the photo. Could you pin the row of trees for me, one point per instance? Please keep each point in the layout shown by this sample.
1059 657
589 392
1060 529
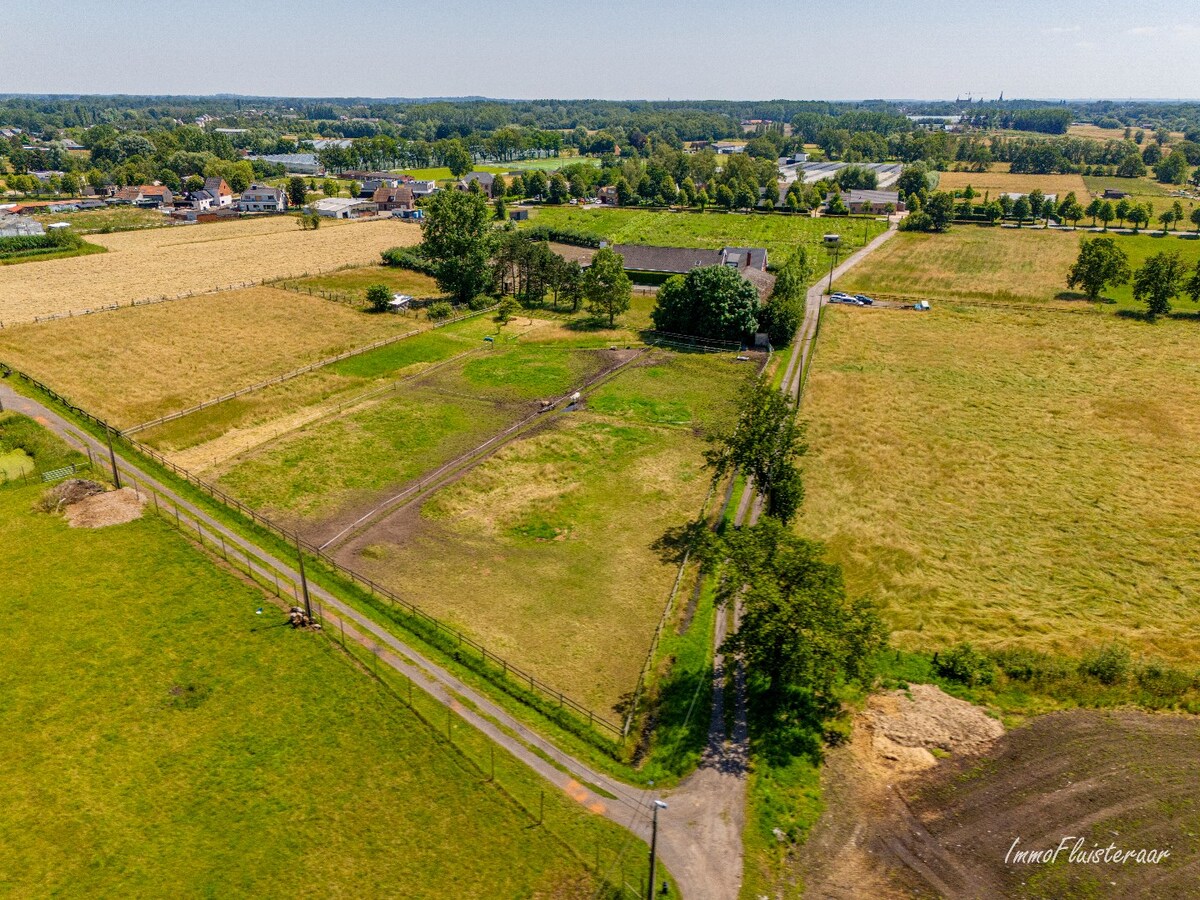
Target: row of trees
470 258
1102 264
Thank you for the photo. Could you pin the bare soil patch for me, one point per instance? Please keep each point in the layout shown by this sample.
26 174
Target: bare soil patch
906 826
104 509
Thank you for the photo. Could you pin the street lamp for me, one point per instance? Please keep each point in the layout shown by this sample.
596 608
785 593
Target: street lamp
658 804
832 242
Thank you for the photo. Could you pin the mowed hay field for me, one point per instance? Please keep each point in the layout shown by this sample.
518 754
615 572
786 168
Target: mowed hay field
132 365
1021 265
159 262
1009 477
1006 182
161 740
545 552
968 263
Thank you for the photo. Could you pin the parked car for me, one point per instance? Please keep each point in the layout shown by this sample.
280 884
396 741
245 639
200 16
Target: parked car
841 297
864 300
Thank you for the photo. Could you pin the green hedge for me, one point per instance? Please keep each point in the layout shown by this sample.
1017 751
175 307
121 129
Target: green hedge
573 236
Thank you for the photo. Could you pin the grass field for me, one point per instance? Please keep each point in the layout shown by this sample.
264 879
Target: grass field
999 265
356 459
553 562
161 742
1004 182
1011 478
1143 191
204 440
50 254
169 261
132 365
356 281
779 234
115 218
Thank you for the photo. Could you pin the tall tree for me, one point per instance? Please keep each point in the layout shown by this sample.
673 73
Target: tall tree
1106 213
1100 263
765 444
709 302
457 238
606 286
800 637
1158 282
781 316
297 191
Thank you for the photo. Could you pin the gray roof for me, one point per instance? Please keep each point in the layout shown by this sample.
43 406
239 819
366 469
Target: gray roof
680 260
484 178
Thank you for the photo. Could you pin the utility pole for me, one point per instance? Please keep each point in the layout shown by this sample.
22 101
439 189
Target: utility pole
112 457
658 804
832 242
303 581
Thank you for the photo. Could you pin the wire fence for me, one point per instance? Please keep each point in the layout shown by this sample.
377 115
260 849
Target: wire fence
607 858
36 476
295 373
511 678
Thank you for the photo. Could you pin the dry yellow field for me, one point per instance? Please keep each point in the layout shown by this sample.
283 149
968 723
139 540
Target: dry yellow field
1009 477
1006 182
183 259
135 364
1096 133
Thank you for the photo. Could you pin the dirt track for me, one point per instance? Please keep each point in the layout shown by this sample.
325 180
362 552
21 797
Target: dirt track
1122 778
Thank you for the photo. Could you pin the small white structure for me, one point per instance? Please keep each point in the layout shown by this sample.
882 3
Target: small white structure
341 207
400 301
19 226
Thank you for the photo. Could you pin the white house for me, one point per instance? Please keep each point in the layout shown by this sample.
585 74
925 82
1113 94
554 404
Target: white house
222 195
261 198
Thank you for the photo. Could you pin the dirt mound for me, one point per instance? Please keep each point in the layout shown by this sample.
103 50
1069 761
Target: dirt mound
66 493
110 508
908 725
1125 779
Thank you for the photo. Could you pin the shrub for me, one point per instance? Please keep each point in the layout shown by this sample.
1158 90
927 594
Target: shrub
407 258
1109 665
964 664
378 297
1164 682
574 236
439 311
478 302
1031 665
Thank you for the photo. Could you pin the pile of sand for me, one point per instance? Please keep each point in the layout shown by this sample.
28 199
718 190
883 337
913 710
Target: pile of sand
906 726
110 508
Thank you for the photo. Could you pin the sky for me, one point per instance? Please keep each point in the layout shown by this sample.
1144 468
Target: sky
619 49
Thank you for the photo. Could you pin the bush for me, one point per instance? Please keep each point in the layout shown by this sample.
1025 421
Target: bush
478 302
1164 682
1031 665
407 258
378 297
439 311
1109 665
573 236
964 664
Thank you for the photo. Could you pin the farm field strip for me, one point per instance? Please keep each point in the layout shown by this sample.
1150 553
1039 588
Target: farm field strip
325 475
980 472
192 259
549 568
433 480
778 233
296 373
174 355
1004 265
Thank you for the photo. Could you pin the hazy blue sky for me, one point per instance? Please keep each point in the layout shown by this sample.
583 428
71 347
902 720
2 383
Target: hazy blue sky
849 49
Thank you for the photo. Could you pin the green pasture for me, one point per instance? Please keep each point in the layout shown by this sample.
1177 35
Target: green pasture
161 739
556 562
778 233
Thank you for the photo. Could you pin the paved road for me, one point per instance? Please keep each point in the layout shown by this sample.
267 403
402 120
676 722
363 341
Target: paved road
700 835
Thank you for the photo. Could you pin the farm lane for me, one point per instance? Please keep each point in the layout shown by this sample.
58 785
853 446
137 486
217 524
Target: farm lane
689 861
700 835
